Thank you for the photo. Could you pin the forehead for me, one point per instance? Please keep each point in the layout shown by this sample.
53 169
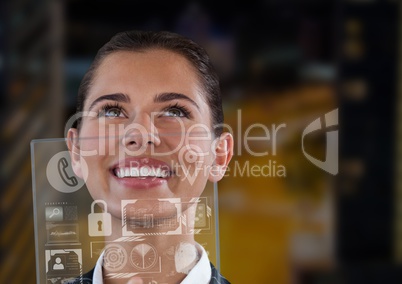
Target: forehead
146 73
150 66
147 59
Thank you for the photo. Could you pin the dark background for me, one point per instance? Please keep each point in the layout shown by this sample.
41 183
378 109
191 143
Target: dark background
263 51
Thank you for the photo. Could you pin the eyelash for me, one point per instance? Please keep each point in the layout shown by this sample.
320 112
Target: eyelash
105 108
183 109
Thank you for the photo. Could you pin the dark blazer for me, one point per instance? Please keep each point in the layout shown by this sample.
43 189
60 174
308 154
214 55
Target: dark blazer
216 277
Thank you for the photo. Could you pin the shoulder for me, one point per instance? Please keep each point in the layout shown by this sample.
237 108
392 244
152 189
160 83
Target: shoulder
216 277
84 279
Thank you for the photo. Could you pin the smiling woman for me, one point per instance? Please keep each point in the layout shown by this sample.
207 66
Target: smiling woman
152 99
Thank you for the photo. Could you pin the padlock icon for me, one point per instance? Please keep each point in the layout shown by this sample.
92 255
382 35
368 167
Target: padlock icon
99 224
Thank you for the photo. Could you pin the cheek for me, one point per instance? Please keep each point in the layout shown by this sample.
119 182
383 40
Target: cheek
97 172
197 154
194 151
194 164
198 151
93 127
98 143
94 153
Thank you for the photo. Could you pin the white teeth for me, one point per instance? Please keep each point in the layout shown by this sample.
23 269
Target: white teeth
145 171
120 173
141 172
134 172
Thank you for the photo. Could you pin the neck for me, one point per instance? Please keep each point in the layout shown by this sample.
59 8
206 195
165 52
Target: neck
157 250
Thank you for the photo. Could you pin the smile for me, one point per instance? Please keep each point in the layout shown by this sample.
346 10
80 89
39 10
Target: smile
141 172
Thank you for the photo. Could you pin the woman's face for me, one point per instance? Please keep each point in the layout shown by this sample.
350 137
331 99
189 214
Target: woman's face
148 133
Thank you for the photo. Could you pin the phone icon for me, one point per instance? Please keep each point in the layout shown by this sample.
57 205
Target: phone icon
62 166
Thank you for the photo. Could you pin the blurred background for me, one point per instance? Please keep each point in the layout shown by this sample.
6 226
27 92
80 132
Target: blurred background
281 62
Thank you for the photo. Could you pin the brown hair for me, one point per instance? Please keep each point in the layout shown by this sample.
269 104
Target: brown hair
145 40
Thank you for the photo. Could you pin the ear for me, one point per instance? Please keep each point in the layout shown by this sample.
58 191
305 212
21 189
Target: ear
74 149
224 153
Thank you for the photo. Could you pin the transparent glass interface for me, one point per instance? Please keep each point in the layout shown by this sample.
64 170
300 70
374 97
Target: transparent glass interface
136 215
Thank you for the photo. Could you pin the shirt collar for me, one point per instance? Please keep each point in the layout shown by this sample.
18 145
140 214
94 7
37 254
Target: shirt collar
201 272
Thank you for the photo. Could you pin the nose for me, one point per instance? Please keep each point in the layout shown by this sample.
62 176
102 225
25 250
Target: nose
140 133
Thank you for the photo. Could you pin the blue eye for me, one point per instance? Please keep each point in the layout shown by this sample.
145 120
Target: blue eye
176 111
111 111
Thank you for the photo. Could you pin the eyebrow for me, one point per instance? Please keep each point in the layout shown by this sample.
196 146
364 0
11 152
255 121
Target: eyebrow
118 97
159 98
165 97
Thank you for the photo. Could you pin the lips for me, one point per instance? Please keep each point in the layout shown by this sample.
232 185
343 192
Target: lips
141 173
